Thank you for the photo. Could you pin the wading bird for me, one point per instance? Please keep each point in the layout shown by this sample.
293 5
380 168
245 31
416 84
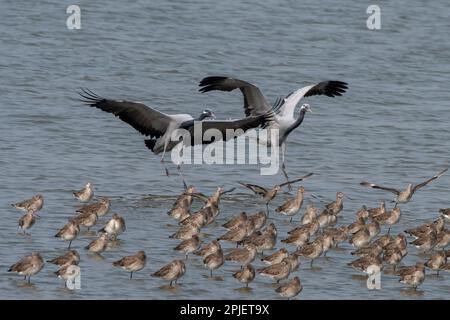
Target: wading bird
404 196
161 127
283 118
269 194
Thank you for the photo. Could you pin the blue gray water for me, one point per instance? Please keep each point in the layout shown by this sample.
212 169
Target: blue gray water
391 127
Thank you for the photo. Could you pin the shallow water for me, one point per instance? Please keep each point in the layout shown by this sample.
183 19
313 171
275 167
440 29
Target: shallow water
391 127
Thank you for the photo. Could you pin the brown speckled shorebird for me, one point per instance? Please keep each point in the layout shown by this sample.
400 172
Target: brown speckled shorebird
69 232
179 213
394 257
373 212
299 238
214 200
354 227
186 198
189 245
311 228
336 206
277 271
70 257
361 238
413 276
326 218
27 221
276 257
132 263
294 260
367 263
115 226
269 194
244 256
259 219
426 242
290 289
404 196
172 271
292 205
437 261
210 209
68 272
235 221
208 249
246 275
265 240
327 242
374 228
186 232
86 219
85 194
399 242
34 204
310 214
214 261
385 239
198 219
339 234
28 266
363 212
388 218
426 228
373 248
98 245
445 213
311 250
99 208
237 234
442 239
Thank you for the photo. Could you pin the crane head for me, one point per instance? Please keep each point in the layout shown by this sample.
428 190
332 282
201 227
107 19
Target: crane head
306 108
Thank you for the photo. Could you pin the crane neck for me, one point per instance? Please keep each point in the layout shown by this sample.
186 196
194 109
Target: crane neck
201 117
297 122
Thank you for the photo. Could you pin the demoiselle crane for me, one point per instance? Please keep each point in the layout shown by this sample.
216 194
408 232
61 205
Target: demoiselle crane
284 119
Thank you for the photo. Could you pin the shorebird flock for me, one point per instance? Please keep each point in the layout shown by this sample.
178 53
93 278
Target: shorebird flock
248 239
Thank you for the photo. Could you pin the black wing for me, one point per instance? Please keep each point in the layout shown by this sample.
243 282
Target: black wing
147 121
221 129
423 184
255 188
374 186
254 101
328 88
296 180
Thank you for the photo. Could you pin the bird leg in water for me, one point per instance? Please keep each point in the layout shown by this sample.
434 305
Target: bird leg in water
283 166
181 176
162 159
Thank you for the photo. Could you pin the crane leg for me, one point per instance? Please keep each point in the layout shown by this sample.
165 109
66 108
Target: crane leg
162 161
283 166
181 176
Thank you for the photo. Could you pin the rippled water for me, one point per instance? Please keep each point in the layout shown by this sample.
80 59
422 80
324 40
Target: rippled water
391 127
